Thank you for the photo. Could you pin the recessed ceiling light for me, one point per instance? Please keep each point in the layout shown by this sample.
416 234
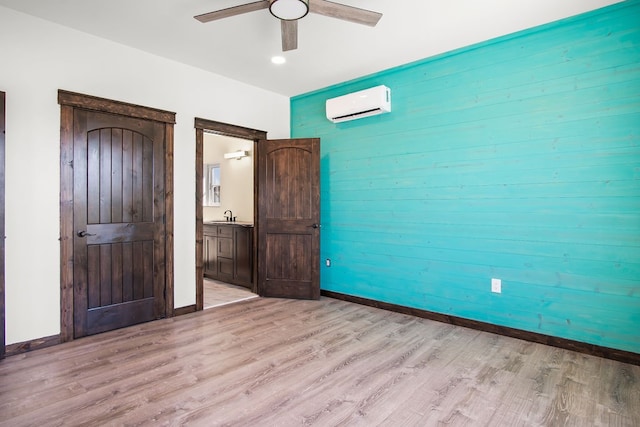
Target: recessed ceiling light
278 60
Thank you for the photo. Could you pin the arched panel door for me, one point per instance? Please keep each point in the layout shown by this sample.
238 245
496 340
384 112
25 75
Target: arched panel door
289 218
119 230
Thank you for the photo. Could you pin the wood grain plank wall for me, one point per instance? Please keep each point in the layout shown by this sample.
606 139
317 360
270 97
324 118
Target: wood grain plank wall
518 159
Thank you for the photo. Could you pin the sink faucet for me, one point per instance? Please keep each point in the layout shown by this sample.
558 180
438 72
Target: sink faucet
230 217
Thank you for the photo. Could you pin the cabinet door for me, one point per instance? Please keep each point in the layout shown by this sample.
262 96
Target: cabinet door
225 247
210 245
243 255
225 269
225 253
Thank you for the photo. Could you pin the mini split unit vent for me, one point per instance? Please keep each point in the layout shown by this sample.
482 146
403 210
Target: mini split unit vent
356 105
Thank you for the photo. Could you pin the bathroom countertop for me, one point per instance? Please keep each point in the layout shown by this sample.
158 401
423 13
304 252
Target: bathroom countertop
223 222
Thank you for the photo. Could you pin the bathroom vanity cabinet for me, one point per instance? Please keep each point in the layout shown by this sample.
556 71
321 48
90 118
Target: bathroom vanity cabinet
228 252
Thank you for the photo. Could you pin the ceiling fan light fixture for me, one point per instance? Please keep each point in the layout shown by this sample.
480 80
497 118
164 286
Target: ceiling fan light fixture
289 10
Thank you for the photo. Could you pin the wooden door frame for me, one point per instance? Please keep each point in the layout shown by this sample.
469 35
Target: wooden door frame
219 128
68 102
3 341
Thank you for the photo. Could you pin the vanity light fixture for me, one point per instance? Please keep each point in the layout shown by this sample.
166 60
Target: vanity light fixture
236 154
289 10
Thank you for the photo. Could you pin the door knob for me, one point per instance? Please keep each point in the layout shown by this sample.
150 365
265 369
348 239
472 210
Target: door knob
84 234
315 226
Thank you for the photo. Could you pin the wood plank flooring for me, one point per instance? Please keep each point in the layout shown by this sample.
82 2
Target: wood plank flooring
218 293
274 362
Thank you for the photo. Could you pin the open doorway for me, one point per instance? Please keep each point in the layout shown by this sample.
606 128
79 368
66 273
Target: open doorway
225 232
228 219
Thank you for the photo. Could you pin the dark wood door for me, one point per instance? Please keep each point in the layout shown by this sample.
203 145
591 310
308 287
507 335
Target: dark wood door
288 218
2 161
119 213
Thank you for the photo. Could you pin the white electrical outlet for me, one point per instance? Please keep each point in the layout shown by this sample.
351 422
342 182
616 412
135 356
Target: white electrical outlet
328 262
496 286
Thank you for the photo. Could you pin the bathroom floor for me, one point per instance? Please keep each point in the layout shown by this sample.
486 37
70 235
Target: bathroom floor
218 293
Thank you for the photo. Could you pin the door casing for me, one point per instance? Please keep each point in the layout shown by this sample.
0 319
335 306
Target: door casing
68 102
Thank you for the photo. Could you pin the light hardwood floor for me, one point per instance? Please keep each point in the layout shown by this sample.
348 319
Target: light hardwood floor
274 362
218 293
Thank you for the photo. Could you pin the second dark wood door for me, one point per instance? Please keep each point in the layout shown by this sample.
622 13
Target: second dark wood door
2 178
119 211
289 218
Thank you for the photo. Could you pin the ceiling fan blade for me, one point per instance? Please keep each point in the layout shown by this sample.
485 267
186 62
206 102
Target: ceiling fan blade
344 12
232 11
289 35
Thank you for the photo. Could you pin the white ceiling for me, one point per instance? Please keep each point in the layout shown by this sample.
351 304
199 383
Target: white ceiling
329 50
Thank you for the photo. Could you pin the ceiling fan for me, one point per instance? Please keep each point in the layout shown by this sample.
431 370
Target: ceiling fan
289 11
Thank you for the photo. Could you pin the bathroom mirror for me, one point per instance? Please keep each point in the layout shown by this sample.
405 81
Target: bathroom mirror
211 185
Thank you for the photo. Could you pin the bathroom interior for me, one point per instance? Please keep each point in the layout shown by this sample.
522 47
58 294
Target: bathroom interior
228 219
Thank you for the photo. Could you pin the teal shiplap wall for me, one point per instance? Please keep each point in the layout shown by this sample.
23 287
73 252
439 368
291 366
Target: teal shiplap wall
517 158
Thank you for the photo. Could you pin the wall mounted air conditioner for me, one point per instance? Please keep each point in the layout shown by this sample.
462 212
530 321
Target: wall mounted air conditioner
365 103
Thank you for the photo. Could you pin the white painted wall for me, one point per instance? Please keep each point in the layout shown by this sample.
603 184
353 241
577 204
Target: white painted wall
236 177
38 58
